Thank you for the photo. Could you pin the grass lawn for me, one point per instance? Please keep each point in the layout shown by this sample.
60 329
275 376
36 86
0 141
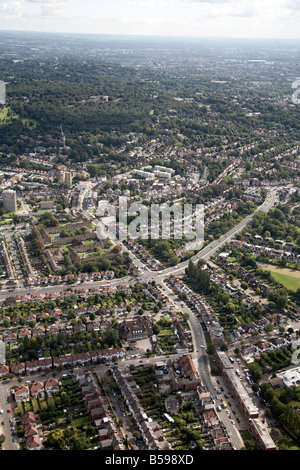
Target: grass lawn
166 333
81 421
287 277
3 115
65 247
246 436
20 408
5 118
27 407
43 405
288 443
50 401
35 405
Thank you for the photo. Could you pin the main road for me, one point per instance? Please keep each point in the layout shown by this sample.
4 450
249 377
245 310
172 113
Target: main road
207 252
146 274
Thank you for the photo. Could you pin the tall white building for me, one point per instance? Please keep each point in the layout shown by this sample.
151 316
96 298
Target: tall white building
9 200
2 93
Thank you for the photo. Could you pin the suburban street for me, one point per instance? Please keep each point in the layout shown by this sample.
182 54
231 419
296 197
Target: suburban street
5 405
201 362
199 356
146 274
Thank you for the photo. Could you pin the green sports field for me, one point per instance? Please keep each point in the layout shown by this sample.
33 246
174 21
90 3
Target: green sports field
287 277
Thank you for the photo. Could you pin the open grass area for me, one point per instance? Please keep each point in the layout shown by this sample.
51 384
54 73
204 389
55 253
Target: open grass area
81 421
3 115
87 242
248 440
287 277
288 444
7 116
165 332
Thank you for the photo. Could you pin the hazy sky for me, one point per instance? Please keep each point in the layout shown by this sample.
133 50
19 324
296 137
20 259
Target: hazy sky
231 18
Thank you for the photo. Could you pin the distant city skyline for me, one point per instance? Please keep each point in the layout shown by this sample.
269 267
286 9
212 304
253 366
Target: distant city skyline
278 19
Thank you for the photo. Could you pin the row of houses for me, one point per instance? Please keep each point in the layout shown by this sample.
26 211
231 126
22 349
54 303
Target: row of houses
153 292
150 430
264 251
244 275
211 423
24 392
259 240
58 313
143 253
32 431
182 335
66 360
24 255
216 430
7 262
203 309
255 352
228 287
97 406
53 279
14 337
80 292
63 314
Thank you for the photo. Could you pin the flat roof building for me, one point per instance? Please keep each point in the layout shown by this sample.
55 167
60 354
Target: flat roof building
9 200
245 403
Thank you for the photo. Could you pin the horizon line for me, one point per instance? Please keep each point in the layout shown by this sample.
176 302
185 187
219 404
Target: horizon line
167 36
